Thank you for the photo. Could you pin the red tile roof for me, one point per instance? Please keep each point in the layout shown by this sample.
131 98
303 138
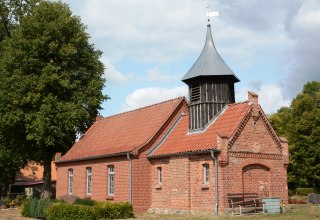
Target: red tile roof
34 171
181 140
123 132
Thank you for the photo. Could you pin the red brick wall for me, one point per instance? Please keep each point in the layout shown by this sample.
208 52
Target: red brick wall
99 179
141 173
183 184
202 196
255 160
256 179
141 184
175 190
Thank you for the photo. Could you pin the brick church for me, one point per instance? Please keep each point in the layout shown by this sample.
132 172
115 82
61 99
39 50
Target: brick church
180 155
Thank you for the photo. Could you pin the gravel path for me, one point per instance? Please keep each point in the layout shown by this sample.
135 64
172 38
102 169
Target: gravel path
12 214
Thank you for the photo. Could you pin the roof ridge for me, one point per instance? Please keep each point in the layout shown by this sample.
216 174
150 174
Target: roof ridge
144 107
238 103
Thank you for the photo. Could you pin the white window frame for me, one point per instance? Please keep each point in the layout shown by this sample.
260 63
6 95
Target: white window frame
88 180
159 174
206 173
70 181
111 180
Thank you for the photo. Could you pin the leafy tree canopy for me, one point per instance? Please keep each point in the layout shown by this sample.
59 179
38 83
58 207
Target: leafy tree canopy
51 82
300 124
11 159
11 11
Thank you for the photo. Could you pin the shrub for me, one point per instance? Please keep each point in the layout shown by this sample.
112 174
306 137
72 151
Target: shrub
64 211
82 211
291 192
305 191
6 201
87 202
35 208
20 199
115 210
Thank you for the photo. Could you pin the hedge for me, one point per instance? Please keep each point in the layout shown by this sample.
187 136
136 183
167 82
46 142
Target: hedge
305 191
87 202
64 211
115 210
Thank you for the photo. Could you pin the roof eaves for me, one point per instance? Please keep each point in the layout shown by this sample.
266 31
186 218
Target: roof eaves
93 157
185 153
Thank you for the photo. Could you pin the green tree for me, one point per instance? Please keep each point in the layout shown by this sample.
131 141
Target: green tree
10 163
11 159
51 83
300 124
11 11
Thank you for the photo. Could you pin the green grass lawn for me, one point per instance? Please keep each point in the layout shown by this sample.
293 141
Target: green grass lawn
293 212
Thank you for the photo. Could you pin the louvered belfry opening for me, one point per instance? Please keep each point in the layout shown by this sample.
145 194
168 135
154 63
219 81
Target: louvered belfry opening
211 85
207 98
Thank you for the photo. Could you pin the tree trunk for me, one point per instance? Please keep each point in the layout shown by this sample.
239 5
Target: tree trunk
47 188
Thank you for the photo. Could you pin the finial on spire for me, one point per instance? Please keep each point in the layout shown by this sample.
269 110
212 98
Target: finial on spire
208 7
211 13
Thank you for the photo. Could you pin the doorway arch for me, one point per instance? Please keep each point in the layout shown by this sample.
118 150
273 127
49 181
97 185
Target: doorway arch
256 179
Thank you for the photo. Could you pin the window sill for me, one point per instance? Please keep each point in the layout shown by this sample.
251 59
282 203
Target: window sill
159 186
109 198
87 197
205 186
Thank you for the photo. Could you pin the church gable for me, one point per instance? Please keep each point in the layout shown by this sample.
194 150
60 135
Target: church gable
256 136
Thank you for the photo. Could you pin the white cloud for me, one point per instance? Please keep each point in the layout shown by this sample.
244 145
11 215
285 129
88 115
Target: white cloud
112 75
159 33
304 63
152 95
166 31
270 97
154 74
308 17
143 30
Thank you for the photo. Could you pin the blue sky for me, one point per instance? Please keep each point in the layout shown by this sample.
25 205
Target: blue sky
148 46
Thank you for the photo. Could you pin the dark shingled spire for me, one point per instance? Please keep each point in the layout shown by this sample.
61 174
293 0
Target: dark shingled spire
209 62
211 85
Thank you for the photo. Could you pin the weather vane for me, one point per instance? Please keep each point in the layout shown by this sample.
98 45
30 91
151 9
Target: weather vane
211 13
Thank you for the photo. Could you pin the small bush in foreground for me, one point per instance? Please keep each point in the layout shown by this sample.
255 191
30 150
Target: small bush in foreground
87 202
305 191
20 199
35 208
115 210
64 211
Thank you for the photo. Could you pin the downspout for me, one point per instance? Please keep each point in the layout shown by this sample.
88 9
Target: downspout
130 174
214 157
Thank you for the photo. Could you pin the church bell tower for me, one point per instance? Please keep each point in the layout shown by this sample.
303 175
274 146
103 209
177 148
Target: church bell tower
211 85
